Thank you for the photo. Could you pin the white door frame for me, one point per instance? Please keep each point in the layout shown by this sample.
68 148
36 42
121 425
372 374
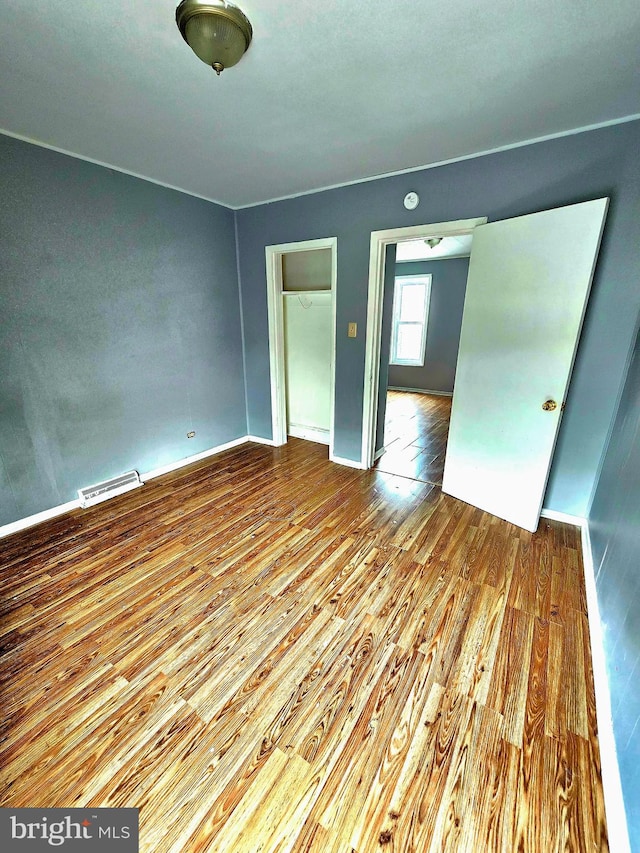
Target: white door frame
273 256
379 242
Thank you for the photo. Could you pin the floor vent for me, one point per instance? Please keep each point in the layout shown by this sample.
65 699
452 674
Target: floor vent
109 488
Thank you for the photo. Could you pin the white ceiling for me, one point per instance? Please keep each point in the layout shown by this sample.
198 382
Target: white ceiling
330 91
448 247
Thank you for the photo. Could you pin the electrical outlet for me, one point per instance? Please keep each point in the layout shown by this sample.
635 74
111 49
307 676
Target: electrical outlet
353 330
191 434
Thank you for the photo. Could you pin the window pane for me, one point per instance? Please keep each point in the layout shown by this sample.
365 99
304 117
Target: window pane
412 302
409 342
410 314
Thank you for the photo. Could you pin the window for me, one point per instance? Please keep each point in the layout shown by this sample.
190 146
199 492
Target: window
410 317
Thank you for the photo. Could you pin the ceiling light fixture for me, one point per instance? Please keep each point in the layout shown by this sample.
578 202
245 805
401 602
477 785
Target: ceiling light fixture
432 242
217 32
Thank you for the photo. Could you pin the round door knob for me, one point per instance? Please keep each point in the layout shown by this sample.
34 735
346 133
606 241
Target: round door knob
549 405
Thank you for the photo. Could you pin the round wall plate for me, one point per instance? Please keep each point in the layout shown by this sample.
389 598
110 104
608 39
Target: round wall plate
411 200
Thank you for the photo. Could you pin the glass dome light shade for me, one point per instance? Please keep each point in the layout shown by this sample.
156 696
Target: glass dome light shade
217 32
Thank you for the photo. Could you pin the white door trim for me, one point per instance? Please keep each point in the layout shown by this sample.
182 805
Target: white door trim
273 257
379 242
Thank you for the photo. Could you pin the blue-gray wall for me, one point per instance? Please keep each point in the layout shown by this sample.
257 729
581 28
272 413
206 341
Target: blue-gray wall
614 523
119 331
535 177
448 287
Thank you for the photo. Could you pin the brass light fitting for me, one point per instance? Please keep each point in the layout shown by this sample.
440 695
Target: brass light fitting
217 31
432 242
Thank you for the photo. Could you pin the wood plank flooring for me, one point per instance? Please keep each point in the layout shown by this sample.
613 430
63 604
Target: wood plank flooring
268 652
415 436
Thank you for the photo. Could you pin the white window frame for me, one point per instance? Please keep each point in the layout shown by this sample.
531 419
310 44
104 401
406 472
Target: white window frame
399 282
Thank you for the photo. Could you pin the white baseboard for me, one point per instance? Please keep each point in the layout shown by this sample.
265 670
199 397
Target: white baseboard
612 787
320 436
379 453
349 463
38 518
256 439
188 460
420 391
47 514
554 515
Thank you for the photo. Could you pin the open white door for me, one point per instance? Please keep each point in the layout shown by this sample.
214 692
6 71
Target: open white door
528 284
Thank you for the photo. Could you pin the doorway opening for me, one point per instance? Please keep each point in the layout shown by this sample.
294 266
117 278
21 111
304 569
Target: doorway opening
416 422
424 314
527 289
301 300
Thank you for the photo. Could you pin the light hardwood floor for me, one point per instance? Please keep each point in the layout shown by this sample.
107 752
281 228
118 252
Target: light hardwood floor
269 652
